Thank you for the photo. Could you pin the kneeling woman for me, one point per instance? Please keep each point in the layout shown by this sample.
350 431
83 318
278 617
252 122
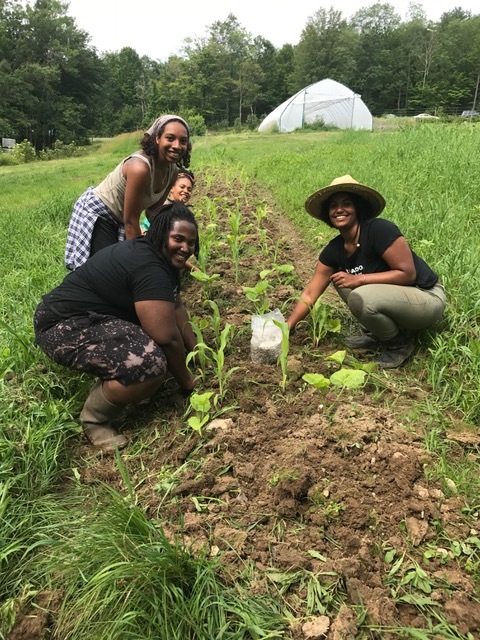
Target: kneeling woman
386 286
120 317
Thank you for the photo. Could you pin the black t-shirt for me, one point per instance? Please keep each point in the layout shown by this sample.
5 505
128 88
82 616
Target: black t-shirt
376 235
113 279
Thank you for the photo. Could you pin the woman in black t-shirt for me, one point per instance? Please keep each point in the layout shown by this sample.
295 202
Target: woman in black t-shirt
120 317
386 286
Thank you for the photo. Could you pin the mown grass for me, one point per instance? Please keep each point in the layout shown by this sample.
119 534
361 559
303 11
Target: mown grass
48 539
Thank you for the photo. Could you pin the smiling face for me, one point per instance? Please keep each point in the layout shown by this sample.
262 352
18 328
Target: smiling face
342 211
182 189
172 142
180 243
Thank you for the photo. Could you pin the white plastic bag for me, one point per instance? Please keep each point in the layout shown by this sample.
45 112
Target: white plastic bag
266 342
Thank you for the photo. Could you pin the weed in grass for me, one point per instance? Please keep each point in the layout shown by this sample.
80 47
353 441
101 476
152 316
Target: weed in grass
324 590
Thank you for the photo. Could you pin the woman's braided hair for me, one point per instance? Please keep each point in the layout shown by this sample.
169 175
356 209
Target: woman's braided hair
163 221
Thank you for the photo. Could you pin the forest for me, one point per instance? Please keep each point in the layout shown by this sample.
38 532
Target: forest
56 87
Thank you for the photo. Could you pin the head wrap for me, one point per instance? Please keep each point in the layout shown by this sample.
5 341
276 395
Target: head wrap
163 120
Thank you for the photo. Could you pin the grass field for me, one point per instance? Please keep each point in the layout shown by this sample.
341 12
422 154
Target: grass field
68 547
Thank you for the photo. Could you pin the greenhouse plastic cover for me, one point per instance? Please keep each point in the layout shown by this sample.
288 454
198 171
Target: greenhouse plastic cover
328 100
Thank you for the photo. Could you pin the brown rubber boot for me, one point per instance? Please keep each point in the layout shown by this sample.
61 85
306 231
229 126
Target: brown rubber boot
96 417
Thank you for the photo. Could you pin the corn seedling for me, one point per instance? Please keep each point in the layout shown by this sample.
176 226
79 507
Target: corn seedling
322 322
208 236
205 279
199 353
216 320
234 238
217 359
283 357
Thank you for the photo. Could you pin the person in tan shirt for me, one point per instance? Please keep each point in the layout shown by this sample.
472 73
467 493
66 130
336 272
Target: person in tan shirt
110 212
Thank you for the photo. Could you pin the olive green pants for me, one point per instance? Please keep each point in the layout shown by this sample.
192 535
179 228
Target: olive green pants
386 309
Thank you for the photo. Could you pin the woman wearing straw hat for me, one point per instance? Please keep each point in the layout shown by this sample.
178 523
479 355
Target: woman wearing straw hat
110 212
386 286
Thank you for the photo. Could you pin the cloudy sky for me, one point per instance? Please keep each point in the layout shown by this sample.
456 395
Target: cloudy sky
157 28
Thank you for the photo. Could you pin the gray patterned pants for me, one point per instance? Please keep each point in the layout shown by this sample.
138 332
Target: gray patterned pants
104 346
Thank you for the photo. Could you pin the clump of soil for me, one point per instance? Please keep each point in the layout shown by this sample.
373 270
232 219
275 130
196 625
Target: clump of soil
297 482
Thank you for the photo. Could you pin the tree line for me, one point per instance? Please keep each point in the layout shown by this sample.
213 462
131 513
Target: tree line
55 86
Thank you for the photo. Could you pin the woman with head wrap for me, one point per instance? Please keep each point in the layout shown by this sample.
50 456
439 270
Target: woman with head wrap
110 212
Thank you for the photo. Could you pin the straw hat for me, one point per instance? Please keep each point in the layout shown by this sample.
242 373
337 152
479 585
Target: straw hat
316 204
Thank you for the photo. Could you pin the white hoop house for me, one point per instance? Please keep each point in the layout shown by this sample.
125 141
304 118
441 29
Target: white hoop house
327 100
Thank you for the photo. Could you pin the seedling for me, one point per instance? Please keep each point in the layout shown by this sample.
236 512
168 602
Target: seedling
258 295
343 378
208 238
278 270
322 322
205 279
282 475
216 320
200 403
234 238
283 357
217 359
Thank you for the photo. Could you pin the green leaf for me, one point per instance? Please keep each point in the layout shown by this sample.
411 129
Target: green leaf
316 554
201 401
350 378
389 556
338 357
318 380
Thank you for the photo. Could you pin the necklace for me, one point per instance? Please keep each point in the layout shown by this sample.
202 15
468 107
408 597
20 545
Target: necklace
356 237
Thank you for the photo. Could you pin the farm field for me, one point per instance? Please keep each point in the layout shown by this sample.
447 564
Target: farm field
340 512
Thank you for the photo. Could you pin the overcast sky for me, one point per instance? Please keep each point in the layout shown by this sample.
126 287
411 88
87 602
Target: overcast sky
157 28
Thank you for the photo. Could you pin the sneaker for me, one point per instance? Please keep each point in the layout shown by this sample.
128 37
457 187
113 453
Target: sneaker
395 352
365 341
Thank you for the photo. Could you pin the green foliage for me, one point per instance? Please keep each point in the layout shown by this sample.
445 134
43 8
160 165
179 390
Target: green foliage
196 122
61 150
321 321
343 378
200 403
259 296
123 578
318 124
24 152
7 159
